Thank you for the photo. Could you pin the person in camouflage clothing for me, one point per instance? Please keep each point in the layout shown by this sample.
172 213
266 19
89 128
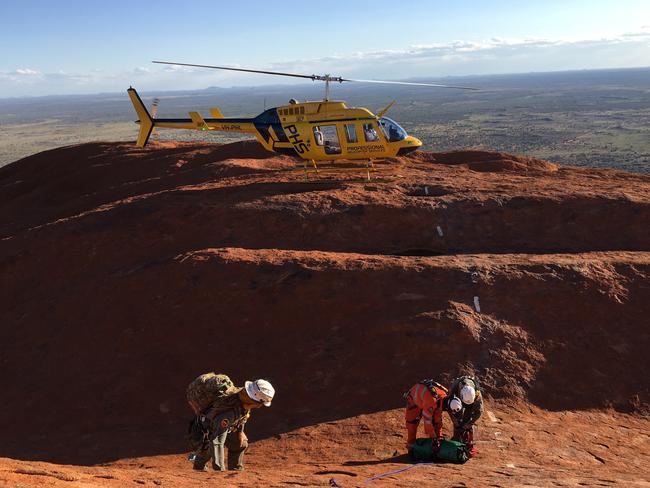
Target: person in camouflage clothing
227 414
467 390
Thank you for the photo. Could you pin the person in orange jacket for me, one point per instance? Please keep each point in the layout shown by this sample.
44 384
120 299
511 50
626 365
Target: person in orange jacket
426 401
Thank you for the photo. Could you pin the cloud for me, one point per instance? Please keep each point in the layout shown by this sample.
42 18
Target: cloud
26 72
495 55
173 68
453 49
461 57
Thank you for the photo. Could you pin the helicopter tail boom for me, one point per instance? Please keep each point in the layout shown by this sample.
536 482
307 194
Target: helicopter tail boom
146 122
195 121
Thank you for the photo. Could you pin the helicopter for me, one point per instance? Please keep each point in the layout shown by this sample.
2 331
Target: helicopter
324 130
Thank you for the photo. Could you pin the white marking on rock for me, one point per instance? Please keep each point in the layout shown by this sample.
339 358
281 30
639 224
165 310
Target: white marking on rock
477 305
439 229
426 190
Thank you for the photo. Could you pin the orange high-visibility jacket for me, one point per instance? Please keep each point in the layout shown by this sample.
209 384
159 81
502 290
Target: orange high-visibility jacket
421 402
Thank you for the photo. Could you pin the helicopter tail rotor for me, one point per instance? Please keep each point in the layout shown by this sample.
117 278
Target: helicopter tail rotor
154 107
154 112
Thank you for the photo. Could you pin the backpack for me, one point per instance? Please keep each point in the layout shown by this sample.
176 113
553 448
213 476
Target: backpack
449 452
207 388
197 434
432 385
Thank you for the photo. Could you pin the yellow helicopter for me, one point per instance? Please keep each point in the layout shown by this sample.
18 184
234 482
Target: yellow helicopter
316 131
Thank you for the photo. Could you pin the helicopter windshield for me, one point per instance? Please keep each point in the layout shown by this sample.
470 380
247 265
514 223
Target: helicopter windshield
392 129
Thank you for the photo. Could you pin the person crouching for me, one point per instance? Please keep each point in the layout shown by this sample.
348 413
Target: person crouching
426 401
466 391
228 415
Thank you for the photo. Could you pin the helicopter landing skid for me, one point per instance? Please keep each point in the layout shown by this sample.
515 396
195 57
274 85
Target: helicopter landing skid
368 167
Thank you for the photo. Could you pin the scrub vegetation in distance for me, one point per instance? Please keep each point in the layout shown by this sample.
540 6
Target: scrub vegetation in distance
583 118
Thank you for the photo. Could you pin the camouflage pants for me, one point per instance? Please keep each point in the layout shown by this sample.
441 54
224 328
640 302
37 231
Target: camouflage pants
463 428
213 449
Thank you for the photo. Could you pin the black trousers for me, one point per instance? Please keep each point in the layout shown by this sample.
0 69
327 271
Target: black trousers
460 420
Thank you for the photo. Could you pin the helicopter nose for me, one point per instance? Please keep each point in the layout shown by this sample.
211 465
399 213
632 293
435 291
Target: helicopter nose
409 144
413 141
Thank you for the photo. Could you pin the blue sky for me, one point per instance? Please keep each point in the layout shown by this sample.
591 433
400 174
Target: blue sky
60 47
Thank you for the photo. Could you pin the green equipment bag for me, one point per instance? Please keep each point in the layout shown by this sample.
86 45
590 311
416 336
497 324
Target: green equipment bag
206 389
450 451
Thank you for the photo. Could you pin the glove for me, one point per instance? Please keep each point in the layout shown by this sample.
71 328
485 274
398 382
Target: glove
243 440
435 443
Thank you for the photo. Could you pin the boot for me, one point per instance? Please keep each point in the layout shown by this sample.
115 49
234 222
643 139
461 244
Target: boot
236 460
200 463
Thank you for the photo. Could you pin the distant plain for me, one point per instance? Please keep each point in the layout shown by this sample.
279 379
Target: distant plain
581 118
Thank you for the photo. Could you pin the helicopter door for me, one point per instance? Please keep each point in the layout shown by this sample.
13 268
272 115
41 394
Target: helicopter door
326 137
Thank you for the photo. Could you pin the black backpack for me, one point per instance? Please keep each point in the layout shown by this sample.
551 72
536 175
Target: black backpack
432 385
197 434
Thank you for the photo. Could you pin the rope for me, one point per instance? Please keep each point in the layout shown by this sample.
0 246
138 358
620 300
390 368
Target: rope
397 471
334 484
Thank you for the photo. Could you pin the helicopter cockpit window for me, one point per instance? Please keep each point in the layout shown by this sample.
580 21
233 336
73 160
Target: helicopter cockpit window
392 129
370 133
328 138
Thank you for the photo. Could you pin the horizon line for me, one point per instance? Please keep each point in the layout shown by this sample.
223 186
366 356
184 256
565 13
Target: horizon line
194 90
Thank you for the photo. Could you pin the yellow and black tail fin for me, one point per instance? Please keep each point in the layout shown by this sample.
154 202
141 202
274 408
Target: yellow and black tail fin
216 113
146 122
198 120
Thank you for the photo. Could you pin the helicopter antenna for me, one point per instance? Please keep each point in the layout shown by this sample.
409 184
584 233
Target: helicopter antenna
326 78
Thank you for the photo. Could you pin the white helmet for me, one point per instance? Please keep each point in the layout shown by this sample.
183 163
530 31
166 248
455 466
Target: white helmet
455 405
467 394
261 391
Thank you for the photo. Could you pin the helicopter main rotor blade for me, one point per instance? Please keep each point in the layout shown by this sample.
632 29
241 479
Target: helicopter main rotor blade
327 78
410 83
277 73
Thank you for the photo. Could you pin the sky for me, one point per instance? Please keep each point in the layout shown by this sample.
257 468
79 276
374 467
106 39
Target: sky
92 46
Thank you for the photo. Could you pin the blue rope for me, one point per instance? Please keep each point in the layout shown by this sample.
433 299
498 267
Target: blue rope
376 477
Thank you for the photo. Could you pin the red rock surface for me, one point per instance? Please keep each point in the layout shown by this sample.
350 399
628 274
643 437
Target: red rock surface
127 272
